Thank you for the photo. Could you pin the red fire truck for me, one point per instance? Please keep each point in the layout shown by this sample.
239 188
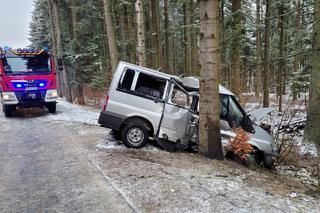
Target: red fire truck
27 79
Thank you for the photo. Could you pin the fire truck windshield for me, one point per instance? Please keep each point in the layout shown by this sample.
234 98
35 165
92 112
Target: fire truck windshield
27 65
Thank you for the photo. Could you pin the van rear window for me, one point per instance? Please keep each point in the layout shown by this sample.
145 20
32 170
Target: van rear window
127 80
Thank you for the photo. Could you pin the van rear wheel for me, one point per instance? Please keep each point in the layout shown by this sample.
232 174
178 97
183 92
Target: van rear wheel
135 135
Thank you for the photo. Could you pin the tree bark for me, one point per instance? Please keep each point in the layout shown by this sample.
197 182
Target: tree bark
266 68
194 48
236 46
130 32
54 47
155 10
141 49
210 139
57 24
113 52
187 27
281 53
166 37
312 132
296 62
79 96
258 47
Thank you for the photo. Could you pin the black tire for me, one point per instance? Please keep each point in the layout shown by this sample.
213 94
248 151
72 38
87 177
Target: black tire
116 134
8 110
52 107
258 157
135 134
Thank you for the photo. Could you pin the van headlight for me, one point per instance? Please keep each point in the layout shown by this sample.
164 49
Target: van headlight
51 95
9 98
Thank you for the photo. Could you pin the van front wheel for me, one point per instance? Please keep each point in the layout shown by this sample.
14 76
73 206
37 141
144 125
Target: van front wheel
135 135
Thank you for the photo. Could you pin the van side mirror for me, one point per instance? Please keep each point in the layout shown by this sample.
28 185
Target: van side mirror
156 100
248 125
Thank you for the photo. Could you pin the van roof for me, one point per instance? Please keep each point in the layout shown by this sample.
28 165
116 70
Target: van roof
152 71
190 82
193 82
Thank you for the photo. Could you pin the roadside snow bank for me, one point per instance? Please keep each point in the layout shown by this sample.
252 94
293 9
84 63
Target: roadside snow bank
69 112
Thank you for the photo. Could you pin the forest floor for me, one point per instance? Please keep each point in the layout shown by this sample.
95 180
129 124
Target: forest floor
69 163
298 159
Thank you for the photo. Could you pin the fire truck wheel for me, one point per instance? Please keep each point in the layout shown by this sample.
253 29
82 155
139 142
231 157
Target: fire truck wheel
51 107
8 110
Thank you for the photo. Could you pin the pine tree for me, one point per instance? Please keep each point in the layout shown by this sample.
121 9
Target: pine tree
210 139
141 48
312 132
113 52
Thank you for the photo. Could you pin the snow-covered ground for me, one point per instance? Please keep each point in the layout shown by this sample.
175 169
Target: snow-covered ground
68 112
301 164
291 113
153 180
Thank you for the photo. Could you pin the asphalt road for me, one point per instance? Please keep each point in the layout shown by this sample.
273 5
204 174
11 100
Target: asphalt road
42 169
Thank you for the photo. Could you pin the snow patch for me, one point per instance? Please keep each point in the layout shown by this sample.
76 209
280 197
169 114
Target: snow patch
68 112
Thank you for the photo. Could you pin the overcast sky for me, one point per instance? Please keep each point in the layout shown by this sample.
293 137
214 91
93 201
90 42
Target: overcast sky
15 16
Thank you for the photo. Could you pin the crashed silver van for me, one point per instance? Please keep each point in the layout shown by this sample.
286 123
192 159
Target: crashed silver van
144 104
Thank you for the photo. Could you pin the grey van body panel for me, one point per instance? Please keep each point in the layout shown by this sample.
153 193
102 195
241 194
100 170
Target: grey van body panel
131 105
169 121
111 120
174 124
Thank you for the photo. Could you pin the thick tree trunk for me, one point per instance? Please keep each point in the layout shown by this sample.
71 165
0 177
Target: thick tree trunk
210 139
312 132
194 48
113 52
281 55
79 96
141 49
258 46
130 32
124 37
166 37
296 62
57 24
156 34
236 46
54 47
187 27
266 68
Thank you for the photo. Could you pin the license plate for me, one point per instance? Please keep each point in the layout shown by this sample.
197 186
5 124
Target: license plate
32 96
31 88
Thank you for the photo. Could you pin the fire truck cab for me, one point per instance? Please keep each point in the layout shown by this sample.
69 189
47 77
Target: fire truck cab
27 79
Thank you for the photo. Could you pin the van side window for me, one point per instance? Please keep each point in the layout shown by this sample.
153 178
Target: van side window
127 80
150 86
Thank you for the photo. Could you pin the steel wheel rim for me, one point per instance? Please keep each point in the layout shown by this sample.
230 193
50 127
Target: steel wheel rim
135 136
